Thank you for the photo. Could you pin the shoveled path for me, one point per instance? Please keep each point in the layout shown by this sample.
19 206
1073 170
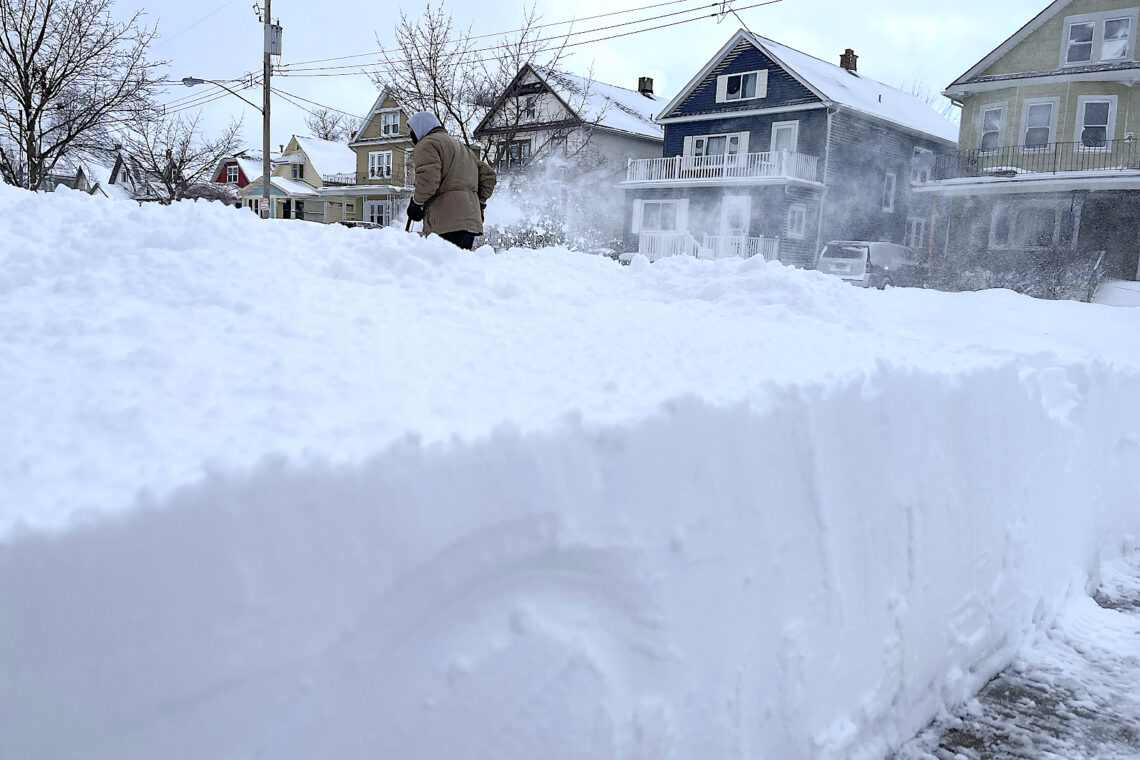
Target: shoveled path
1073 693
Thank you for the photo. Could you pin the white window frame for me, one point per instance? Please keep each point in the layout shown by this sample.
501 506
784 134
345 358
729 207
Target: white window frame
1003 106
1098 22
794 126
796 225
1110 131
1055 107
691 143
382 160
681 215
730 203
387 128
299 171
890 186
920 176
722 95
1013 207
915 233
233 174
383 209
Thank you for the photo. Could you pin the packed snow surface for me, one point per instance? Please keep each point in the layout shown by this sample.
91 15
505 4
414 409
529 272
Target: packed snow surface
273 489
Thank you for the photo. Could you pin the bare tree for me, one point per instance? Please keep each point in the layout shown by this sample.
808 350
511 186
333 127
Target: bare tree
174 155
936 100
68 74
329 125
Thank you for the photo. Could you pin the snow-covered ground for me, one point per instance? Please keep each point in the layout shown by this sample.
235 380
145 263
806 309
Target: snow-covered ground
287 491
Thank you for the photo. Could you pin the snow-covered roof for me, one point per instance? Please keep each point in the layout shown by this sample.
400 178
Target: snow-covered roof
328 156
858 92
610 106
290 186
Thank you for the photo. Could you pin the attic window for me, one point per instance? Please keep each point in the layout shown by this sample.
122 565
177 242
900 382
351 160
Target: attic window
389 124
530 108
748 85
1099 37
231 175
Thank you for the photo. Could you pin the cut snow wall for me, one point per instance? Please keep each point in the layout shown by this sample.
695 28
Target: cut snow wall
811 579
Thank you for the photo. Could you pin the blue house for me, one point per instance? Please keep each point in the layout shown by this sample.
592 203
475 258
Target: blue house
769 151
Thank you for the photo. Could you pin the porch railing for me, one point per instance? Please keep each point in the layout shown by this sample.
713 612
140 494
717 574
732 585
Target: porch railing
659 245
774 164
348 178
1051 158
377 176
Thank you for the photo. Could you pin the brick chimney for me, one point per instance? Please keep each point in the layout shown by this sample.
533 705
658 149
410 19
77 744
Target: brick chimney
645 86
849 60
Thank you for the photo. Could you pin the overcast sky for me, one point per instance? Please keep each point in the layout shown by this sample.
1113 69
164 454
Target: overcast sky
898 41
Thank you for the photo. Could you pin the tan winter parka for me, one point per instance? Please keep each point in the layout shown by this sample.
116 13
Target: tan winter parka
451 183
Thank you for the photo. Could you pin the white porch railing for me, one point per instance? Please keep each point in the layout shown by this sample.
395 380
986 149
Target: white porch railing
658 245
724 247
774 164
348 178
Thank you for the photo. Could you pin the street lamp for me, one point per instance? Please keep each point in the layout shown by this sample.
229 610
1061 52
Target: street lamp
192 81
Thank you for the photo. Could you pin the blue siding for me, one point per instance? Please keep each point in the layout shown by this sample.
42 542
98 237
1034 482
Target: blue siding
812 139
783 89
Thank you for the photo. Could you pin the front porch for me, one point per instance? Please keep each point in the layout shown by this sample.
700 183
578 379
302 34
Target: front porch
659 245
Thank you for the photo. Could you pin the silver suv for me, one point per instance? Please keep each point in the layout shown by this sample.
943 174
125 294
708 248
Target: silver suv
871 265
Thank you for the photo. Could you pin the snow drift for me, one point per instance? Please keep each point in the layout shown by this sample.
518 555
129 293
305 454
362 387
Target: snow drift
277 490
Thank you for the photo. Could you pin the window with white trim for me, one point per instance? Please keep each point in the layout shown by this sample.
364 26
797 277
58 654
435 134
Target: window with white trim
921 164
992 126
1099 37
747 85
1096 121
390 124
380 164
1023 226
915 232
231 175
797 221
530 108
786 136
298 171
378 212
660 216
719 145
889 181
1038 123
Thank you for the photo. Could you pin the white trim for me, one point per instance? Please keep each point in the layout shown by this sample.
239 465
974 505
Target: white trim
726 203
1028 103
1003 106
680 218
760 92
795 127
1112 179
1079 127
1128 77
915 231
1096 45
738 114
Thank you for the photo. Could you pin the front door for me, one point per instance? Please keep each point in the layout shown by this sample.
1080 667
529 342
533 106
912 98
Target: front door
378 212
735 215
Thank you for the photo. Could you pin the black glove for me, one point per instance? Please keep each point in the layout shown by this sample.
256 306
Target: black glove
415 211
482 212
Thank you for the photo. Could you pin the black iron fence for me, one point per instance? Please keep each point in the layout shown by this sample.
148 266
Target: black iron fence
1050 159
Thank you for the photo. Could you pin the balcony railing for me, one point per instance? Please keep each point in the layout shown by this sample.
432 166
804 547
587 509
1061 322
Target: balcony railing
1052 158
659 245
348 178
774 164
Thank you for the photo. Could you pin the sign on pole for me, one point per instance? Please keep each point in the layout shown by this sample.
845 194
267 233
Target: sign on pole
263 204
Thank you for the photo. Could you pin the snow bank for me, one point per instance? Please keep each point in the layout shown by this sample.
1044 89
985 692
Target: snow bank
277 490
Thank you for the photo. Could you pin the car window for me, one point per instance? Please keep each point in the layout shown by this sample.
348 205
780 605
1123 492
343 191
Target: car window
845 252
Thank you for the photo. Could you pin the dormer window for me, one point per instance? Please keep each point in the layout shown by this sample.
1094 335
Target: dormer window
1099 38
231 175
748 85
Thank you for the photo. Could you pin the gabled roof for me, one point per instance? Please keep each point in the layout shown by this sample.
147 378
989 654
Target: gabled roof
328 156
365 120
833 85
608 106
284 184
1015 39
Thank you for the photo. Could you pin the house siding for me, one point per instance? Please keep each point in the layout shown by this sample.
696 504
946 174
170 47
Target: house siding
783 88
862 152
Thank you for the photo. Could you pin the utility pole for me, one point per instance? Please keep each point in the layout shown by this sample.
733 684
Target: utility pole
266 71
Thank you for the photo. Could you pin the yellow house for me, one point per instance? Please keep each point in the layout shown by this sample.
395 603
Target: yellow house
383 174
303 175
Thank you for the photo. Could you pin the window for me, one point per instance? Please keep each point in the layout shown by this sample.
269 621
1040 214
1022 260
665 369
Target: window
1038 123
378 212
915 232
785 136
1096 118
298 171
992 127
298 209
717 145
1023 226
797 221
530 108
749 85
514 154
889 192
231 175
1099 37
659 216
389 124
380 164
921 164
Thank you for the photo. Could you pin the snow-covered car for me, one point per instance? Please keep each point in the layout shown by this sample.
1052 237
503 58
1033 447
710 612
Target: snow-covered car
362 225
870 264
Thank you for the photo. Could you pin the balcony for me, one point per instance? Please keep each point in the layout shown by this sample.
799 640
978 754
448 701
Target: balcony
724 168
660 245
1049 159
